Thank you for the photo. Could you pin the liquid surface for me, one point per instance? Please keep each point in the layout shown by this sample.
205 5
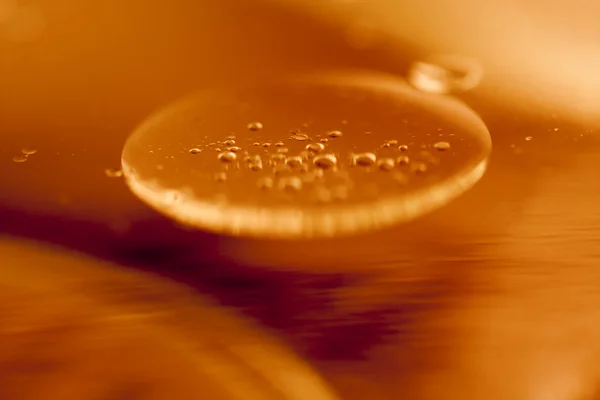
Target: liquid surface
320 155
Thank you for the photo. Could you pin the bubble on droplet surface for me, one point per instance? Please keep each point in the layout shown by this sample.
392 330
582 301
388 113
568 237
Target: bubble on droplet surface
113 172
28 150
294 162
265 183
20 158
441 146
290 184
255 126
220 177
315 147
386 164
300 137
195 150
227 156
325 161
334 134
365 159
403 160
443 74
364 197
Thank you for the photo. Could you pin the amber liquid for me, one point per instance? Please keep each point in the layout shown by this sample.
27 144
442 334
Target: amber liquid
458 304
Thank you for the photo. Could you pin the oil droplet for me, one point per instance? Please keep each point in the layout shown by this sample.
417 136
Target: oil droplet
265 183
279 144
217 149
334 134
235 149
294 162
325 161
386 164
281 169
220 177
291 184
113 172
400 178
229 142
283 150
256 144
266 144
227 156
195 150
20 158
365 159
403 160
442 146
324 140
528 138
277 157
403 147
255 126
315 147
29 150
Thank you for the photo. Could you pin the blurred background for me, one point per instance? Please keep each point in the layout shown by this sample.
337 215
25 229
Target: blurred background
493 296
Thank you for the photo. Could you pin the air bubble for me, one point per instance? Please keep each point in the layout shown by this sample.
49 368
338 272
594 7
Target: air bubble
29 150
20 158
386 164
227 156
442 146
265 183
220 177
365 159
445 74
325 161
290 184
113 172
315 147
255 126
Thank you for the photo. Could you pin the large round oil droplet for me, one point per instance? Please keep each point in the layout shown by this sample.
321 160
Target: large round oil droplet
170 342
395 113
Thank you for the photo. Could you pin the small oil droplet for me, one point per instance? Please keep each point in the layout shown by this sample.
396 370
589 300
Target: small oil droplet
528 138
365 159
255 126
282 150
403 147
195 150
229 142
279 144
227 156
266 144
113 172
325 161
442 146
256 144
334 134
300 137
419 167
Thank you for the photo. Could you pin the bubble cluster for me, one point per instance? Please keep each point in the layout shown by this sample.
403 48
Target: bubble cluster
334 176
